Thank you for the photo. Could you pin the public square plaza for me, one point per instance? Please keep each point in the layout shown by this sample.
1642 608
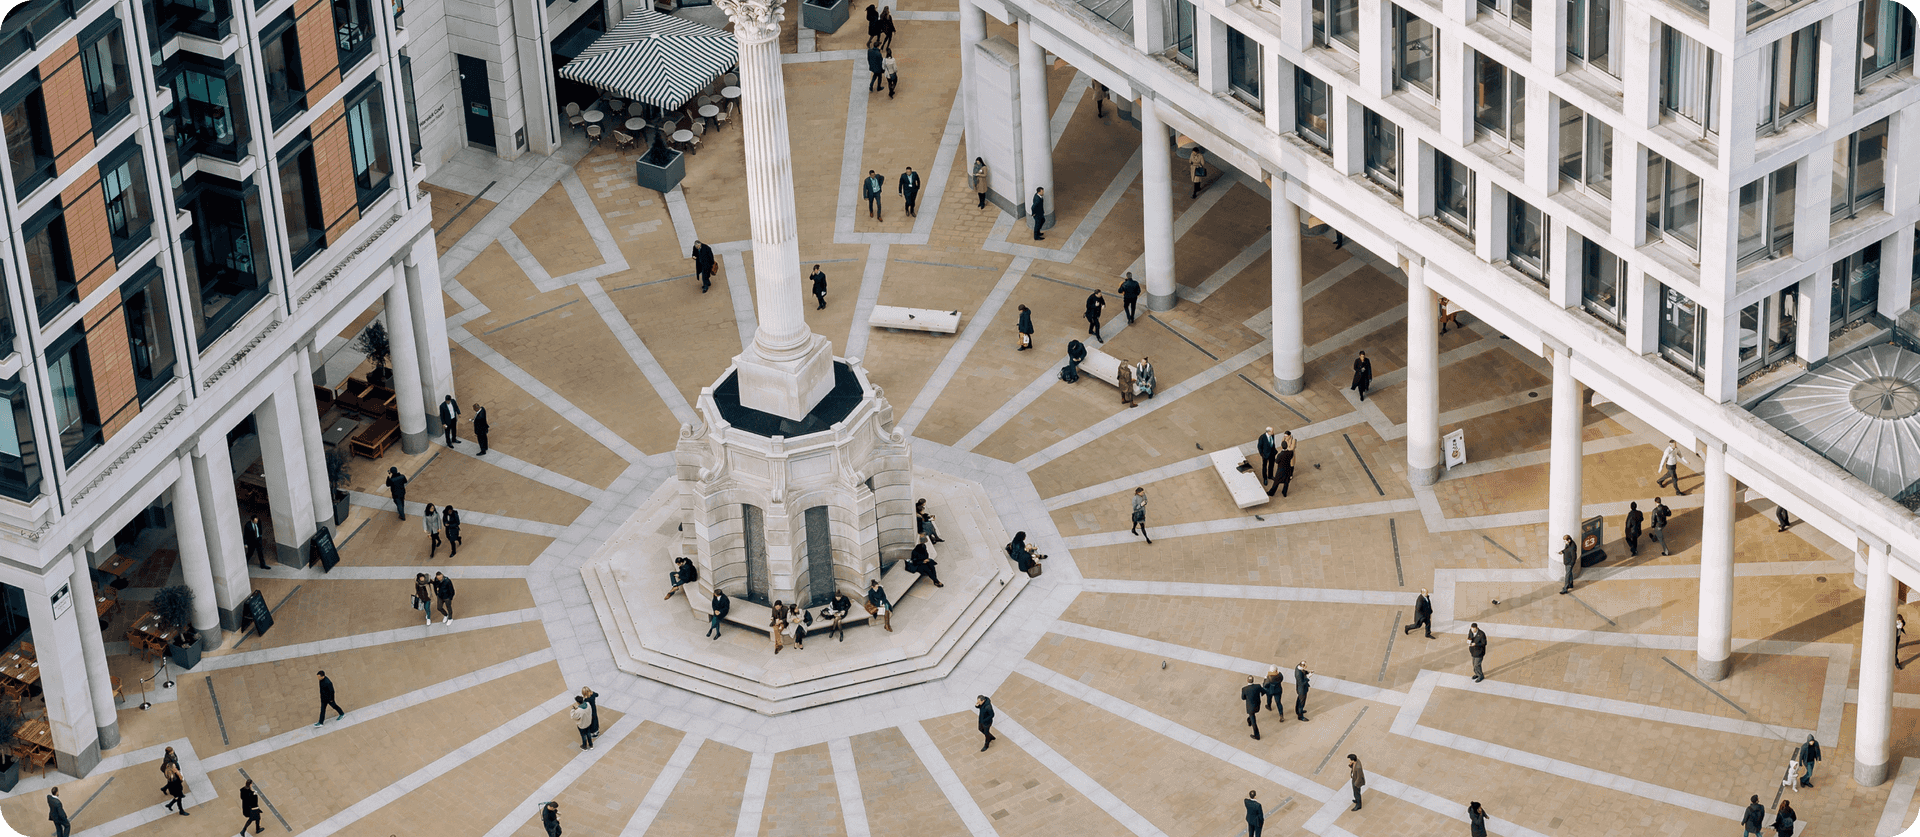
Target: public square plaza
577 323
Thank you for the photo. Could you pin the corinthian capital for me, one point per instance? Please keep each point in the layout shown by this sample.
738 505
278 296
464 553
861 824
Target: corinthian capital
754 21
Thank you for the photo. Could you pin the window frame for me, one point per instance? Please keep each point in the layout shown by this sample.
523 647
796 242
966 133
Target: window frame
1775 239
298 155
1689 75
1377 127
1670 312
1522 216
1666 205
149 282
1900 40
1594 140
194 117
1306 85
129 157
1510 131
1186 31
1804 45
369 97
70 350
1582 15
1402 19
26 96
1514 12
1856 201
254 266
350 54
1850 274
287 96
51 221
105 110
1595 262
1246 72
1446 171
20 469
1330 32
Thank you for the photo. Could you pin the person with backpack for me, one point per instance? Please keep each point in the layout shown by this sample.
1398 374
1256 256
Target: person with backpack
1076 354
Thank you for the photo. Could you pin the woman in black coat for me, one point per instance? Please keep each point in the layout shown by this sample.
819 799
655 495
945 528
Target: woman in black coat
1362 375
1018 551
1476 820
921 561
1784 819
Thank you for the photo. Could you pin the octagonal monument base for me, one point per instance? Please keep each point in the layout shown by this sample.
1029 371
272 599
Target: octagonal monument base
933 627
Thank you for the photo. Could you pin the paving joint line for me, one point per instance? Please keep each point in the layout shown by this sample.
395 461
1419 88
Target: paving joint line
356 530
1388 657
1163 324
1363 465
216 711
1393 531
263 798
1590 609
645 284
463 209
530 316
1497 545
1703 685
1343 740
1276 398
95 795
935 264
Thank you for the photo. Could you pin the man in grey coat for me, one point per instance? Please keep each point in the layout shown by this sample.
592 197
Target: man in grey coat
57 813
1569 555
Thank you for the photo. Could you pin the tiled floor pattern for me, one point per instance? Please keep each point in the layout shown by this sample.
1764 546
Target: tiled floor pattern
577 322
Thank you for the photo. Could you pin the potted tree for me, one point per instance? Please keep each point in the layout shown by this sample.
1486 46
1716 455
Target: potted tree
336 477
373 343
10 721
174 606
661 168
824 15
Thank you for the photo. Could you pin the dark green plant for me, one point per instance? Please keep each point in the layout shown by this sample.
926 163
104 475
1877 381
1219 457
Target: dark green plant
174 605
337 475
10 721
373 343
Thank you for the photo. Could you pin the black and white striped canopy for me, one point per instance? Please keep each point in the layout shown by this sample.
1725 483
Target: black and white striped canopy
655 58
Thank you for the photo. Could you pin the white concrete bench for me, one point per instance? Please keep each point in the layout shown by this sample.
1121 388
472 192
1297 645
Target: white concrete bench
914 319
1101 365
1243 485
755 617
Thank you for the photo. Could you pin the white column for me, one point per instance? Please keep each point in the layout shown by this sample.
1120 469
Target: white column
1715 657
63 672
1563 469
220 524
1423 377
973 30
405 354
422 267
190 530
283 458
1156 196
106 717
1873 726
1289 350
1036 121
316 448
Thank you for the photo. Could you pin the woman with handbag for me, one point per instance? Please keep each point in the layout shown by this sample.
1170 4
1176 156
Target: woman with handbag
981 178
421 594
925 521
431 520
1198 163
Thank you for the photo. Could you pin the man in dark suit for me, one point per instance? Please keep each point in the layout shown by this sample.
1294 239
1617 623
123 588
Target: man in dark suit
986 720
57 813
910 189
1269 447
819 278
326 699
1362 375
1038 214
718 612
550 818
256 540
1129 294
874 60
1301 684
1569 555
1250 694
480 427
1422 614
871 189
1632 528
1659 524
398 485
703 263
1256 815
250 806
450 419
1477 646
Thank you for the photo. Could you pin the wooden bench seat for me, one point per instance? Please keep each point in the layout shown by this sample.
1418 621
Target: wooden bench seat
367 400
1244 486
374 440
1101 365
914 319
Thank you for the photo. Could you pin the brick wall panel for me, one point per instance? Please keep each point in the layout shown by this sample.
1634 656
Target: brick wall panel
69 122
88 243
114 390
333 169
319 49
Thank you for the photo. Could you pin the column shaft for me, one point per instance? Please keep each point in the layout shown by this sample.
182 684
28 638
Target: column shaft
973 30
1715 657
195 564
1563 469
63 674
405 354
106 717
776 242
1289 350
283 458
422 268
315 446
220 527
1036 124
1423 377
1156 198
1873 726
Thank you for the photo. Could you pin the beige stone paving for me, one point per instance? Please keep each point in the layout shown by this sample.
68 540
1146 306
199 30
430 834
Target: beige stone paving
906 129
708 795
553 232
328 608
381 539
694 344
604 798
802 797
1016 793
901 797
522 427
636 217
474 485
448 203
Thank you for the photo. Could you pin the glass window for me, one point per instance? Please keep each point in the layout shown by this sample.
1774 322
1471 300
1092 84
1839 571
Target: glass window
1860 170
1766 217
1527 230
280 59
1243 67
1453 195
1682 331
1603 284
1673 203
1499 107
206 119
353 31
206 18
1413 63
29 148
1586 151
300 203
1310 109
1337 22
1590 34
1767 333
413 110
129 210
1183 29
1687 80
49 263
223 251
75 416
1382 149
29 23
149 332
1789 79
1886 39
1518 11
367 138
1856 288
19 456
103 65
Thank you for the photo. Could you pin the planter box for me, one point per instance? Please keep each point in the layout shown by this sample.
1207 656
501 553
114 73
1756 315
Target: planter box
824 15
184 656
342 504
10 777
661 178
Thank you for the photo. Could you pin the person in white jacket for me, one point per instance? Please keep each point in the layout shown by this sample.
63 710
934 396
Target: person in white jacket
583 718
1670 460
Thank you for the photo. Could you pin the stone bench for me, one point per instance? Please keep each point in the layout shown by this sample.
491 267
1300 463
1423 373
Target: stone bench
896 580
1101 365
1244 486
914 319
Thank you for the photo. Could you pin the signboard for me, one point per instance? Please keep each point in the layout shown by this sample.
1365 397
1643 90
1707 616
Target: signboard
321 550
254 612
1455 446
62 600
1593 532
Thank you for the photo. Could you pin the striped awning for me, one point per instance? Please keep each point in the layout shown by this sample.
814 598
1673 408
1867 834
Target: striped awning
655 58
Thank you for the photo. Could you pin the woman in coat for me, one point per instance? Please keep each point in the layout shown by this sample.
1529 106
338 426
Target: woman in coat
1476 820
1362 375
450 518
1021 554
431 520
1783 819
422 596
926 521
683 573
1197 164
582 720
886 28
176 789
1026 328
1125 379
593 704
980 177
921 561
1143 383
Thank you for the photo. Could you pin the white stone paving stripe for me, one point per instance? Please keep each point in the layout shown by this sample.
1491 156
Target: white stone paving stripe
439 767
1899 797
1326 595
494 457
949 783
976 327
753 800
603 240
638 352
492 521
663 785
1249 522
935 187
1194 212
1622 708
351 642
536 272
849 203
863 302
740 287
1102 798
1172 651
610 737
200 789
682 219
1227 271
1162 398
546 395
1377 783
846 777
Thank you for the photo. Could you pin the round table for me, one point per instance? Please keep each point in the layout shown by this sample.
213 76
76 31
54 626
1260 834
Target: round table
709 111
636 123
683 136
593 116
730 79
730 92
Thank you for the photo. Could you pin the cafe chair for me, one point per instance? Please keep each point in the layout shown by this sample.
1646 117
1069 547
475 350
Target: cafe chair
119 695
726 116
593 134
699 128
623 139
574 117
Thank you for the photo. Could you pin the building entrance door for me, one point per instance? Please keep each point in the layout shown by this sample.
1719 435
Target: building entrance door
477 100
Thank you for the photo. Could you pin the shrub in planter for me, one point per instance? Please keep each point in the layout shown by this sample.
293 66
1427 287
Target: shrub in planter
373 343
10 721
337 460
174 606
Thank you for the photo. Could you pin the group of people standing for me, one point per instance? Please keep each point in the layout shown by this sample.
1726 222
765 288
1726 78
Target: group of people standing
1271 690
880 64
434 520
426 592
873 187
1276 460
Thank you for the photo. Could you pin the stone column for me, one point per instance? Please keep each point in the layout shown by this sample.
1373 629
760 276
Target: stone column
1564 459
973 30
106 716
283 458
789 368
220 526
422 270
1874 724
1156 197
1714 660
405 354
1289 350
310 435
1423 377
63 672
1036 124
195 566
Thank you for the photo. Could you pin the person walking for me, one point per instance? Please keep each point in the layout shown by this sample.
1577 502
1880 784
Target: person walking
1302 683
480 427
450 520
1250 695
1197 166
876 61
716 611
1129 295
326 699
168 760
1356 778
985 706
176 788
443 590
892 72
1477 648
1125 381
702 264
250 807
450 420
871 189
1140 515
1256 815
1899 633
1808 756
980 178
1569 555
873 25
256 540
1754 818
1095 304
1099 99
819 279
1269 447
1362 375
1026 328
1784 819
582 719
423 596
1038 213
397 486
924 522
57 814
1632 527
431 522
1661 514
1422 614
1669 467
837 609
878 605
1143 380
909 179
550 812
886 28
593 704
1780 514
1273 685
1476 820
